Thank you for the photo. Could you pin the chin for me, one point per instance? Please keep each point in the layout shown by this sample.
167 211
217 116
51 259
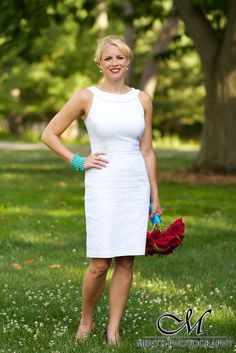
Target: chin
116 76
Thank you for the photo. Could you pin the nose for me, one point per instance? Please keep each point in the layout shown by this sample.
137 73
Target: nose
114 62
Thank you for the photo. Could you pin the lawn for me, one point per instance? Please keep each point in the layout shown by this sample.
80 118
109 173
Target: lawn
42 259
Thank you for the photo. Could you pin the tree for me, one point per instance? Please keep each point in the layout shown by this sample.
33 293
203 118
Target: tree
138 20
212 27
46 53
149 77
42 57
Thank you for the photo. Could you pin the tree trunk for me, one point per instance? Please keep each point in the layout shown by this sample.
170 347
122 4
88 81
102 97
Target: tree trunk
129 37
218 149
15 123
149 77
218 58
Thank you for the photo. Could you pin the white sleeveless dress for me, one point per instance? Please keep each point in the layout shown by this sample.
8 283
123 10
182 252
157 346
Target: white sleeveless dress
117 196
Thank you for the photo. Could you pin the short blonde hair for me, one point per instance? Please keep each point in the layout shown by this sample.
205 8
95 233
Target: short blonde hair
112 40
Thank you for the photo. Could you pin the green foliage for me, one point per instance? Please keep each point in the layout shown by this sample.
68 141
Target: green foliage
55 65
140 14
216 12
178 100
211 5
27 19
47 53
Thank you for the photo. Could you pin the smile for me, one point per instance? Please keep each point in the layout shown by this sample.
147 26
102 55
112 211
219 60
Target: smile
115 70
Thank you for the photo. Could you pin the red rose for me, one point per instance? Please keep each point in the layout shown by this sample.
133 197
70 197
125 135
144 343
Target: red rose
162 240
155 234
149 245
151 252
166 252
175 241
176 228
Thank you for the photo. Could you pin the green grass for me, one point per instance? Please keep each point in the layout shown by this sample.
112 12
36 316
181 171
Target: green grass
42 259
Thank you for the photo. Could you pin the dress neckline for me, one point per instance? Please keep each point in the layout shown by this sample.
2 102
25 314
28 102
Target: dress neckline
116 94
115 97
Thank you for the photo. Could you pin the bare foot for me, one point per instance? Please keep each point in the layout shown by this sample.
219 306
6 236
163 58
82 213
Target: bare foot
113 336
84 331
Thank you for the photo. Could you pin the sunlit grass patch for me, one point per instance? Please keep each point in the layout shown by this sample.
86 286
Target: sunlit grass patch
42 259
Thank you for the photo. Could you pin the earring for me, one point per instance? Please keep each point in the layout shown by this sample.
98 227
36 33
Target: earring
127 68
100 71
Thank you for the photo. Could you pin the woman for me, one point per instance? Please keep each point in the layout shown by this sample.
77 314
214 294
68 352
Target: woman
120 179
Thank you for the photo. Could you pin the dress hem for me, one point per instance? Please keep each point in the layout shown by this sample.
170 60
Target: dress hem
115 255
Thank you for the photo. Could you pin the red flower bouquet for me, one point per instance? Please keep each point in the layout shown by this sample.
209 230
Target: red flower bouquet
164 239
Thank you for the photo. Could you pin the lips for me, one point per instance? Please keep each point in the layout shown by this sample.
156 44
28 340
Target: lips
115 71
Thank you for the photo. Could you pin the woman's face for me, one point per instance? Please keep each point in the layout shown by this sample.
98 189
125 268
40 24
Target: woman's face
113 63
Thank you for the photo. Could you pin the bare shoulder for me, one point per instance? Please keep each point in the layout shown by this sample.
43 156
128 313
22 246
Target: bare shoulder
81 101
83 95
146 100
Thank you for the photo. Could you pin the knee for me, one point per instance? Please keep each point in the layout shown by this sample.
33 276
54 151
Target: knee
99 267
125 263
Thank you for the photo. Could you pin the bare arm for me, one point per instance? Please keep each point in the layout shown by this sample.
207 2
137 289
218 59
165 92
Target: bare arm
78 104
149 154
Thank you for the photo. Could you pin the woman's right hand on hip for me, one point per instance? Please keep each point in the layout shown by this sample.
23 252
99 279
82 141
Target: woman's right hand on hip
95 160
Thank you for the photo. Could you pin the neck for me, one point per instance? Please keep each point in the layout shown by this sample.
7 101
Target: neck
114 86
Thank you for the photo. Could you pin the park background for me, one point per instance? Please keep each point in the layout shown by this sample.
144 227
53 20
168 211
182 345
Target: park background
185 58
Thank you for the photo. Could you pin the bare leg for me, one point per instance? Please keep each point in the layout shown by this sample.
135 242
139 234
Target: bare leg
93 285
118 295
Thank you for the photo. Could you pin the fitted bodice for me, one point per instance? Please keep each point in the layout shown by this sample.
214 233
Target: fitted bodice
115 122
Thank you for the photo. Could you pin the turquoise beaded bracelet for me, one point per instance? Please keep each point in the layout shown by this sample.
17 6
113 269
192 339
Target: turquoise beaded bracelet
77 162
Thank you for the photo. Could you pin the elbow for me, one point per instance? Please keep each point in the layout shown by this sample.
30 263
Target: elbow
146 152
45 137
48 137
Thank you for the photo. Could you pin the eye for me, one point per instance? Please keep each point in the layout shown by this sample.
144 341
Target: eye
120 57
108 58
